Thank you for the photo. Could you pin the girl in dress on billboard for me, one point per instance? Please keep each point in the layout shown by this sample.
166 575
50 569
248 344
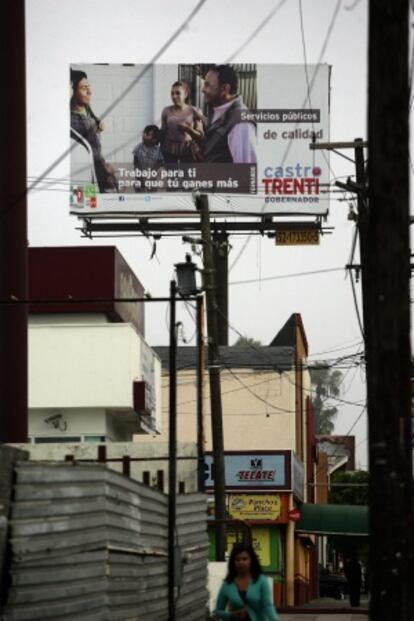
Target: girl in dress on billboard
182 127
85 126
245 592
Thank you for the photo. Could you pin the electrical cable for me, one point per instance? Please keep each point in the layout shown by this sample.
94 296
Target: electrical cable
318 470
260 351
308 86
282 276
116 101
354 296
257 30
318 63
351 277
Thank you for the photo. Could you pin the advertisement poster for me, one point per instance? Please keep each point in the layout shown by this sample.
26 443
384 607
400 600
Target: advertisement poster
255 506
265 541
261 545
145 139
252 470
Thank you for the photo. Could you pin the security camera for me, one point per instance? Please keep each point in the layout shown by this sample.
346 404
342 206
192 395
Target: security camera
55 418
57 422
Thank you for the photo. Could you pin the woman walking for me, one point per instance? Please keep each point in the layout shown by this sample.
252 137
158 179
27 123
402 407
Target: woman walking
245 593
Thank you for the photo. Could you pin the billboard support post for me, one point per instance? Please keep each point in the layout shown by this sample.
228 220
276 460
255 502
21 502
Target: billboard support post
214 375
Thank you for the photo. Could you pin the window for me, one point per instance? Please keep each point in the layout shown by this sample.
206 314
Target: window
60 439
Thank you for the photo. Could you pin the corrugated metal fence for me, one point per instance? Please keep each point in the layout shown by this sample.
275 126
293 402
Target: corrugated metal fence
90 544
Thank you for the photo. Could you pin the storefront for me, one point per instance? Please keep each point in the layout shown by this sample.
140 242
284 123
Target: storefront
261 487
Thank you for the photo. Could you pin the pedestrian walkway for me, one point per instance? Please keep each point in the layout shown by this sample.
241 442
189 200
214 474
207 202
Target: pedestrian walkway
326 609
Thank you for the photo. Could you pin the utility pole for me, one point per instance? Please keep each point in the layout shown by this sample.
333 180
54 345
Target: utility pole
200 392
172 455
220 259
13 227
214 375
387 330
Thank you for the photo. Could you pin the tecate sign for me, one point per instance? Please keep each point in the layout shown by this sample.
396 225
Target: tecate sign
253 470
145 138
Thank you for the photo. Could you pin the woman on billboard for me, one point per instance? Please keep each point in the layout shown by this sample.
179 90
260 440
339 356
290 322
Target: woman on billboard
85 126
182 127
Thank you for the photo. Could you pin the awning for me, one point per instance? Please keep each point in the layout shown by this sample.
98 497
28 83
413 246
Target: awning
333 520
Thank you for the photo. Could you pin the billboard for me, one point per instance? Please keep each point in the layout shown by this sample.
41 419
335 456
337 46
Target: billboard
256 470
145 138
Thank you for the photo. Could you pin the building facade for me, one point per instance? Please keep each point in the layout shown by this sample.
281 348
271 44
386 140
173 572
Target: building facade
92 376
269 445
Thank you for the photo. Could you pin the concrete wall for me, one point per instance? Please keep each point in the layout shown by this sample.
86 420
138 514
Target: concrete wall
186 468
71 421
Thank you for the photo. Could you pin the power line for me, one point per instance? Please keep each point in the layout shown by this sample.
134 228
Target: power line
260 351
315 73
339 348
257 30
116 101
282 276
318 470
274 407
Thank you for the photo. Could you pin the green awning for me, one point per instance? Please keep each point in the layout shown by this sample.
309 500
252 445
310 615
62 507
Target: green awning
333 520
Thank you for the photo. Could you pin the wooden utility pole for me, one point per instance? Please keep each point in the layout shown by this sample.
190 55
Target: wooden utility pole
13 227
200 393
386 274
172 456
214 375
220 259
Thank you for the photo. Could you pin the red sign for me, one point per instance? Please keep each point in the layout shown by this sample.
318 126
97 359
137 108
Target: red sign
294 515
256 475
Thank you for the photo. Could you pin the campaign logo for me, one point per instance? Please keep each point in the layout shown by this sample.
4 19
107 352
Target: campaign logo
292 180
77 197
90 195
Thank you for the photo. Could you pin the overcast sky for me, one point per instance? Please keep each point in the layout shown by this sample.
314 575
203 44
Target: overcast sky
133 31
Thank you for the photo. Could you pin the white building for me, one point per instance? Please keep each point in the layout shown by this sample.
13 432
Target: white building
92 376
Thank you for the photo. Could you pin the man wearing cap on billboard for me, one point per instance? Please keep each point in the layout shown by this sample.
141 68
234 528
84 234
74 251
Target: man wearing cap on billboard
227 139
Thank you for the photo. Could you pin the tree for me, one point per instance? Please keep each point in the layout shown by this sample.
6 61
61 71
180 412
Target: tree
326 384
247 341
355 494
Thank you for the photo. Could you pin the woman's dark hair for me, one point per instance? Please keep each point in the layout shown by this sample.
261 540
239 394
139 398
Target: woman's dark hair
255 568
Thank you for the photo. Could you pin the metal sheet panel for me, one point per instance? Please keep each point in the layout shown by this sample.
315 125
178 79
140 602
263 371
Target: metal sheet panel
114 532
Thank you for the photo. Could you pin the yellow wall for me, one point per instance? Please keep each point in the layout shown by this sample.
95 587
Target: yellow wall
265 421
